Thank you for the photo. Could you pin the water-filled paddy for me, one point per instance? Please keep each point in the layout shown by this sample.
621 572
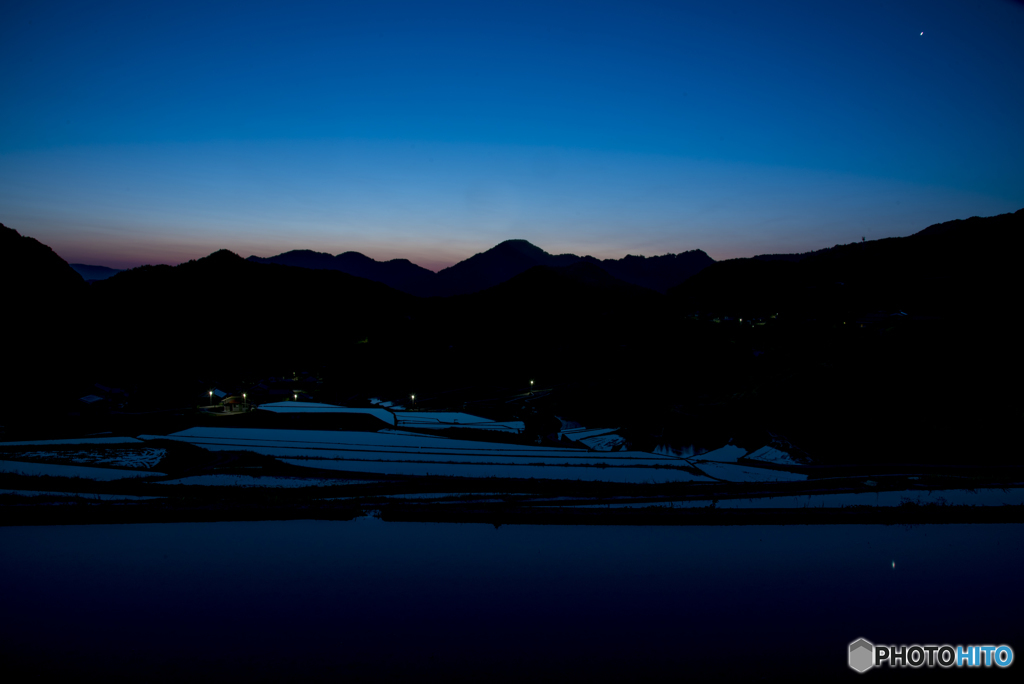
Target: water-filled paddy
368 599
549 472
61 470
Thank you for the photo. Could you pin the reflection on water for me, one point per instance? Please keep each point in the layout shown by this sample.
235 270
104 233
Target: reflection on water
371 599
680 451
62 470
939 497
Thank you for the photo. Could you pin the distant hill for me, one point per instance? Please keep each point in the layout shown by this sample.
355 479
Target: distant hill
37 284
659 273
89 272
548 321
494 266
43 303
400 274
901 349
577 292
896 350
224 312
789 257
27 264
960 266
222 292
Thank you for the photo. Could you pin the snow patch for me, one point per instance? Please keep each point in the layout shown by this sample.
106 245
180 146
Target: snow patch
145 457
631 475
771 455
576 434
84 472
730 453
225 480
736 473
77 440
604 442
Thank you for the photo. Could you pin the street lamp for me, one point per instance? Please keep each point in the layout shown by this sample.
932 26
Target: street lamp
211 397
244 401
296 395
413 397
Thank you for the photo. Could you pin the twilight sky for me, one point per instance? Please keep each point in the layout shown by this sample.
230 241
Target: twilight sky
136 133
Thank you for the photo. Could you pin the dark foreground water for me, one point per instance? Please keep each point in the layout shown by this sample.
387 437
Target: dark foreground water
368 600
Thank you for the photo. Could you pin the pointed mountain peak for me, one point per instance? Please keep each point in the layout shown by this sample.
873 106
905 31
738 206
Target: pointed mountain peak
356 257
306 252
221 256
518 246
9 231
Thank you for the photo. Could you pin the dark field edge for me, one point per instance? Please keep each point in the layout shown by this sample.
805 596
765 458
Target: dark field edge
101 513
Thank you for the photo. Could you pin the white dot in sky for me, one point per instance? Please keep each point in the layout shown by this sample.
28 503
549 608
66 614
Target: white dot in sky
922 33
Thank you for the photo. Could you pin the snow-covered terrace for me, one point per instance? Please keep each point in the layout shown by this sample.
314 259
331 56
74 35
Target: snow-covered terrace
61 470
439 420
432 420
395 453
76 440
311 407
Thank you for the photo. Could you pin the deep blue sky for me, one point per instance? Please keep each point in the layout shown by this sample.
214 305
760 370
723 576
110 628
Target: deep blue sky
132 133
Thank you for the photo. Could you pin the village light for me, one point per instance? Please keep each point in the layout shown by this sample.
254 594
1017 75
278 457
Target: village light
413 397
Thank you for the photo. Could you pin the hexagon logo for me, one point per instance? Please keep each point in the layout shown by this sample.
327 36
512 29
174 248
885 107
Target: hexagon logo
862 655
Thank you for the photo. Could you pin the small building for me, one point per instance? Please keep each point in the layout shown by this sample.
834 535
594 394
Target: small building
234 403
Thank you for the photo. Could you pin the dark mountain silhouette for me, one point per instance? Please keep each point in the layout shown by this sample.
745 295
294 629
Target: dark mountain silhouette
151 327
580 291
512 257
841 373
548 322
947 269
32 268
40 289
789 257
740 288
41 317
224 302
303 258
902 349
494 266
577 308
89 272
659 273
400 274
